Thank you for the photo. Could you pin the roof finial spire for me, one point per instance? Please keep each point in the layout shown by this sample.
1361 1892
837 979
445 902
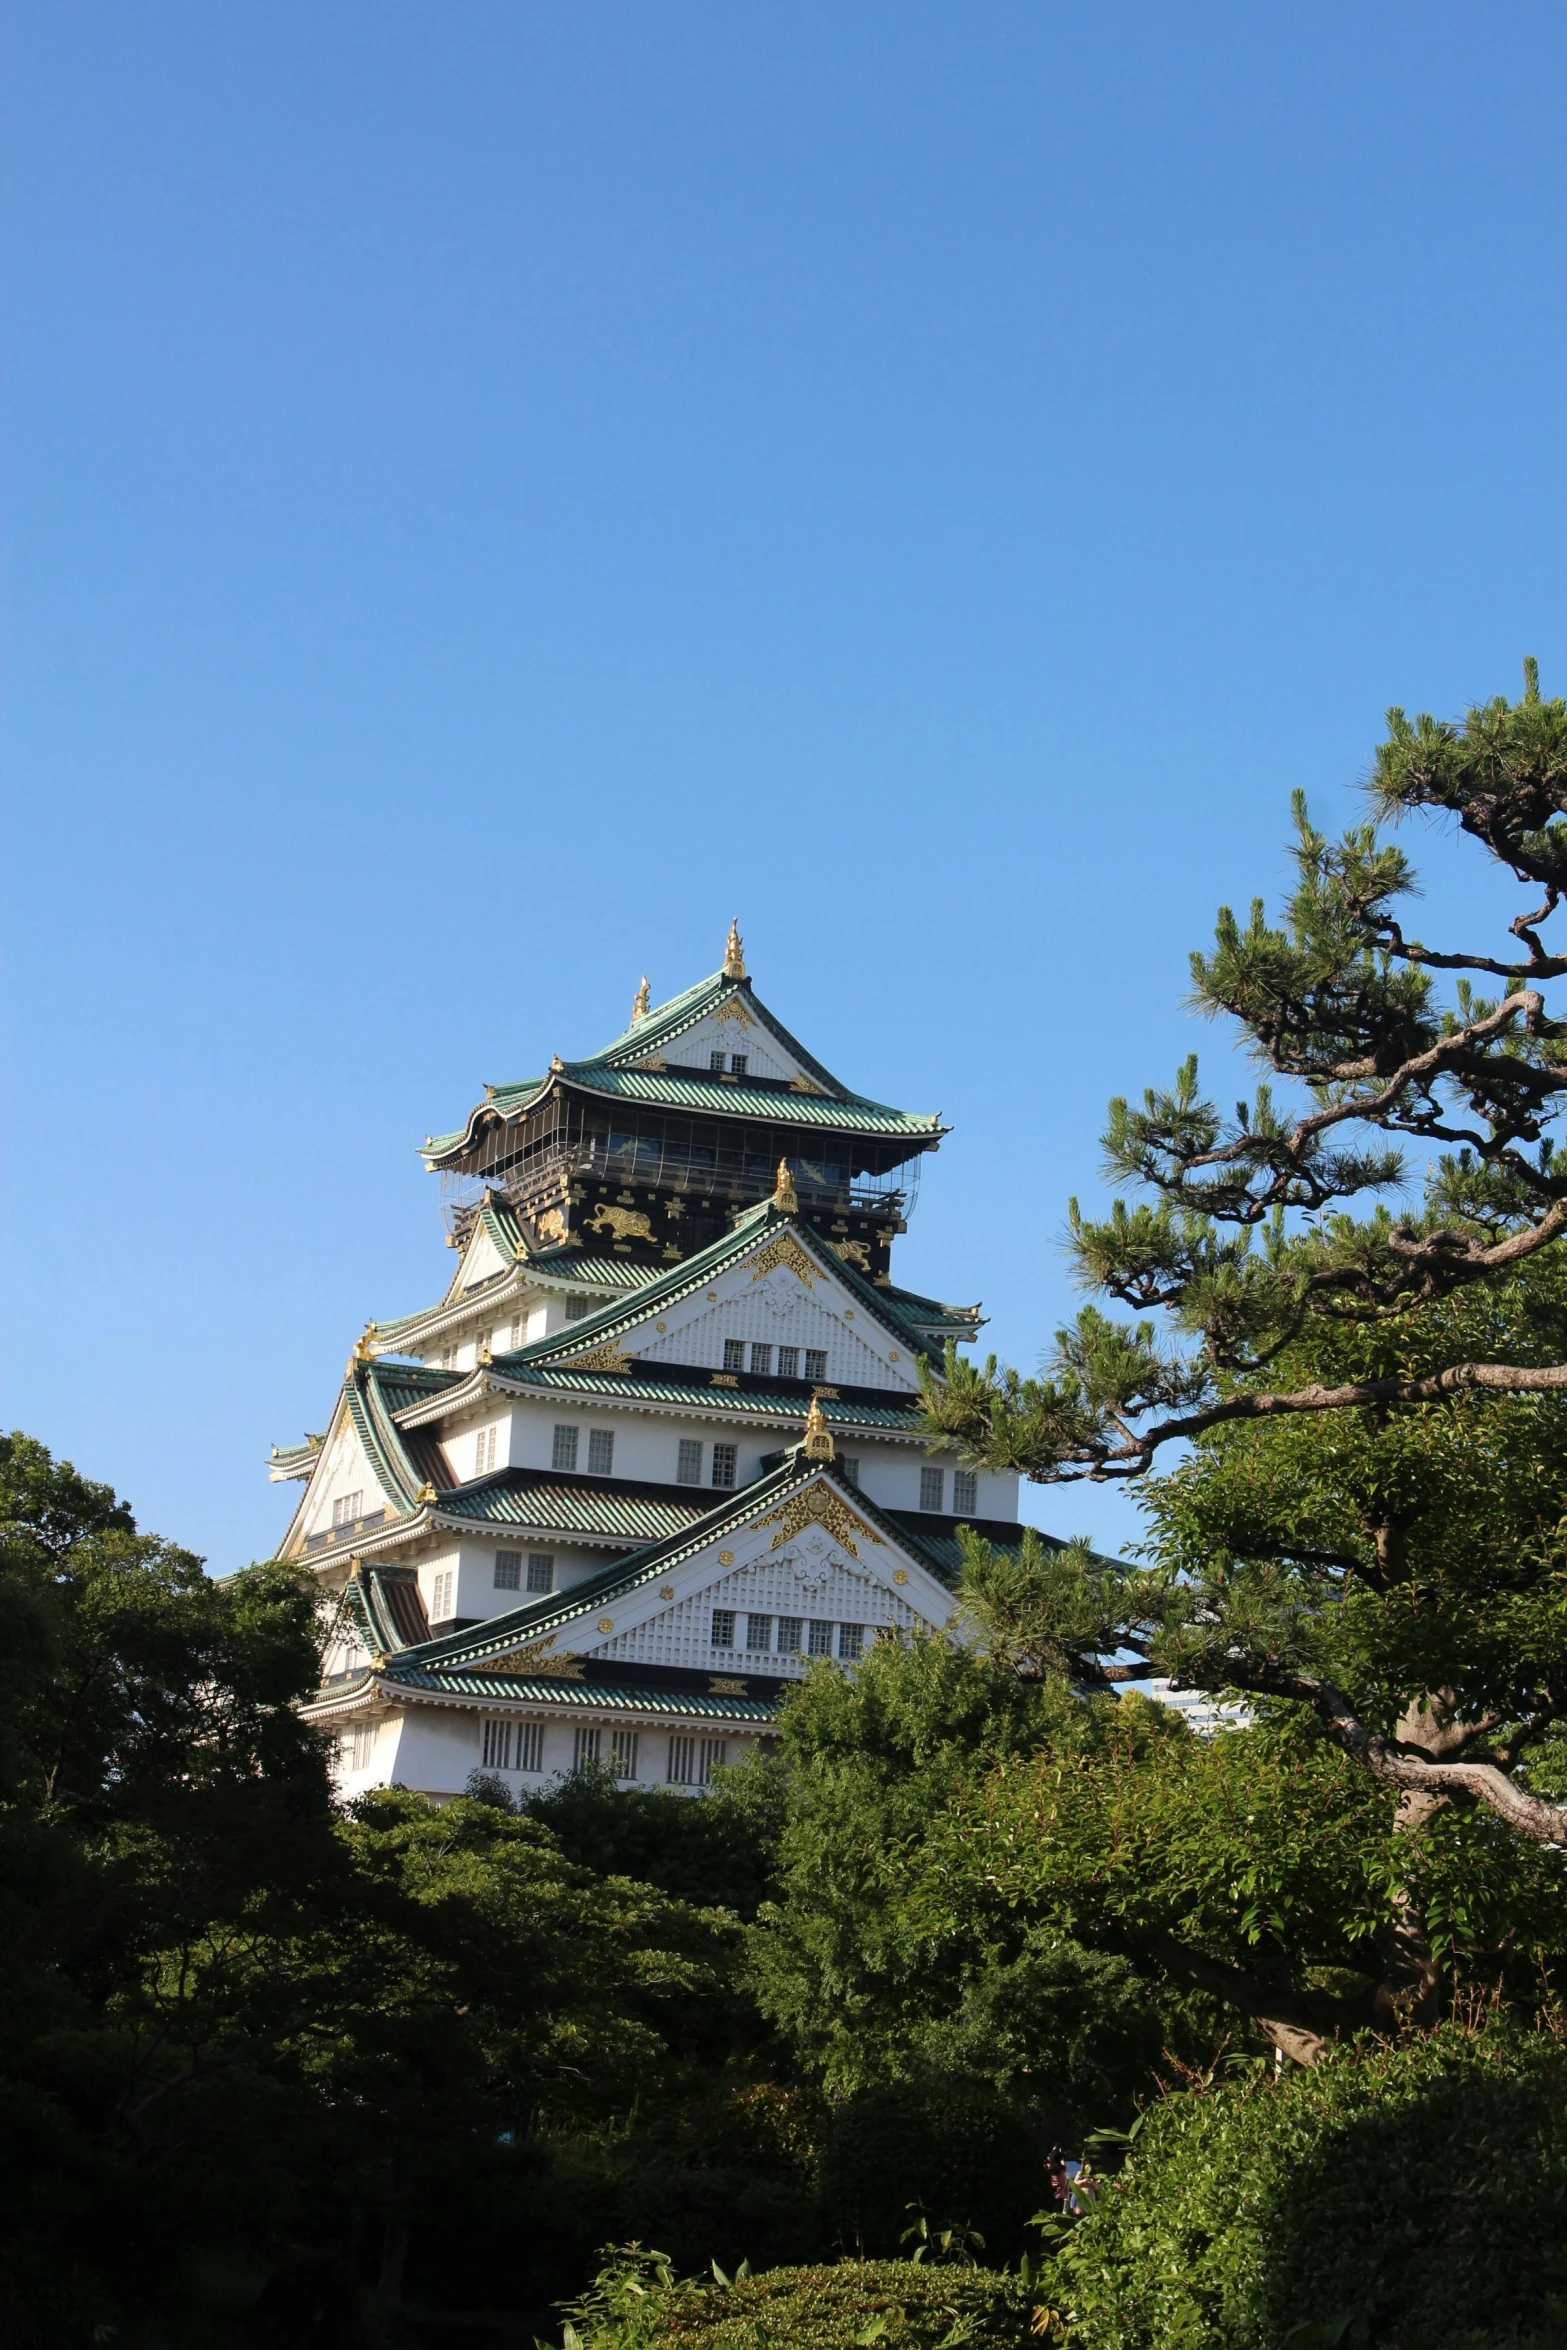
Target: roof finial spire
818 1444
734 952
785 1198
641 1001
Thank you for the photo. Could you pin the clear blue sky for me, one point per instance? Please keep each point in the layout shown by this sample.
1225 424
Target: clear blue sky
494 489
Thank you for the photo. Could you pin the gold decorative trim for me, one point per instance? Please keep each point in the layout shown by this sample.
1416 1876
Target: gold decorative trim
552 1225
720 1685
606 1623
853 1252
726 1558
608 1357
818 1444
723 1379
666 1591
732 1008
818 1505
734 952
784 1249
900 1574
785 1198
641 1001
653 1066
800 1083
536 1657
624 1223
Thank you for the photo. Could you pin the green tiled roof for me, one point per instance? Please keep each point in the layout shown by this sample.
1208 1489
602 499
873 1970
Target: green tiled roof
836 1110
742 1403
405 1384
537 1690
519 1497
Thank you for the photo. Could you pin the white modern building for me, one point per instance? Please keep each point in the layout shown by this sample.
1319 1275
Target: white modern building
657 1445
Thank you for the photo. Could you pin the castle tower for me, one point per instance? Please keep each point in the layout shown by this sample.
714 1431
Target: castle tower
656 1447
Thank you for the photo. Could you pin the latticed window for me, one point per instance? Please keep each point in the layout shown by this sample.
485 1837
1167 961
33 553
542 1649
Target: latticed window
723 1634
585 1748
726 1459
850 1468
623 1746
508 1570
716 1061
682 1762
788 1362
564 1452
347 1508
530 1746
821 1638
576 1307
484 1452
442 1594
932 1484
965 1490
497 1746
762 1361
738 1064
851 1641
541 1570
601 1452
791 1634
816 1362
758 1634
734 1354
689 1471
714 1752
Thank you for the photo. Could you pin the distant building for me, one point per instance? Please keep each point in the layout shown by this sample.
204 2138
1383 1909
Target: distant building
656 1447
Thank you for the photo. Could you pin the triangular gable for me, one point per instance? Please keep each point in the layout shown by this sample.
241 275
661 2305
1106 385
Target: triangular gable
801 1544
770 1281
350 1462
717 1015
484 1256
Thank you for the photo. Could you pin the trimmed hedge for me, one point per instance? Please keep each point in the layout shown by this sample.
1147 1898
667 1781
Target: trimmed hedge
893 2304
1409 2198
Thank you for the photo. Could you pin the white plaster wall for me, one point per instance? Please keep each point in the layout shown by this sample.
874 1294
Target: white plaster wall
433 1749
741 1032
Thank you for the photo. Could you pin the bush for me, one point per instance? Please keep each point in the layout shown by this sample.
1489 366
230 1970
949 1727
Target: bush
638 2304
1409 2198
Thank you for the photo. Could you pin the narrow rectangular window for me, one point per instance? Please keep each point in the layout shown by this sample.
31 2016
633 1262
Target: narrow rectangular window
821 1638
758 1634
965 1490
358 1745
541 1570
682 1761
714 1754
816 1362
585 1748
530 1746
788 1362
723 1627
716 1061
564 1455
932 1485
497 1746
441 1596
601 1452
484 1452
576 1307
690 1470
762 1361
725 1460
851 1640
508 1570
734 1354
516 1336
738 1064
623 1752
850 1467
791 1633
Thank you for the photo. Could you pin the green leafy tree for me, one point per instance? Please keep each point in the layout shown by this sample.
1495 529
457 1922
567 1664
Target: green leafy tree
1414 1609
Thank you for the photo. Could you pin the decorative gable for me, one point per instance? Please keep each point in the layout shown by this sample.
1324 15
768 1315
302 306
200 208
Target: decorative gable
343 1493
481 1260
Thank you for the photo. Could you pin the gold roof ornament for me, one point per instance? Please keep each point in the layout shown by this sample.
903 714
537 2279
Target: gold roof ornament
426 1493
785 1198
734 952
641 1002
364 1346
818 1444
556 1064
484 1358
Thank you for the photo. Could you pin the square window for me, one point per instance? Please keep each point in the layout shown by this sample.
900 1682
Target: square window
851 1641
788 1362
601 1452
791 1635
585 1749
821 1638
932 1487
530 1746
564 1455
716 1061
723 1627
762 1361
508 1570
725 1461
690 1470
965 1490
850 1467
734 1354
682 1761
758 1635
623 1746
576 1307
816 1362
738 1064
541 1571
